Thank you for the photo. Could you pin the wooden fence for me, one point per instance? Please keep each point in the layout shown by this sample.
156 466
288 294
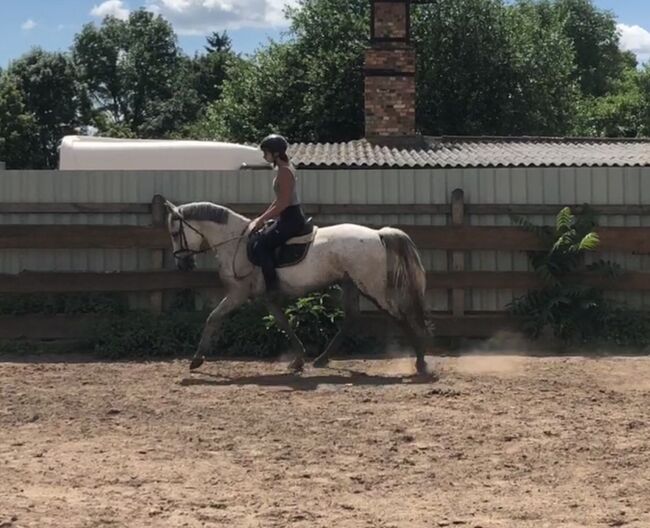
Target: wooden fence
456 238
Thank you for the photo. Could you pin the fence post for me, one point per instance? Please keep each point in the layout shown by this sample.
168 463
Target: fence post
457 257
157 255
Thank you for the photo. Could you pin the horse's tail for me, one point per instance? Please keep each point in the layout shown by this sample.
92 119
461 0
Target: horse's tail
406 278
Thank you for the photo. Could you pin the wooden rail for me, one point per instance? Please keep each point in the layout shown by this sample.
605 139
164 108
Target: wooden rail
77 327
328 209
634 240
162 280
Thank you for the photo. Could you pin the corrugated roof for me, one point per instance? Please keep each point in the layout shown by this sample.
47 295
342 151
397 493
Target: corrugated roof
460 152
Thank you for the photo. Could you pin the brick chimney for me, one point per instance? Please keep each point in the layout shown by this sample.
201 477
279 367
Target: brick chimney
390 73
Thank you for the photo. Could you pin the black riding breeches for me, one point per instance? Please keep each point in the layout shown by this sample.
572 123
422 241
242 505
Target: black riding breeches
289 224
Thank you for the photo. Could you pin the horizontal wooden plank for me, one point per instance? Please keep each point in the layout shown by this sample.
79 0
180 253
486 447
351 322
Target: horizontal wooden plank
82 237
445 209
74 327
46 327
124 281
326 208
73 208
523 280
624 239
551 209
159 280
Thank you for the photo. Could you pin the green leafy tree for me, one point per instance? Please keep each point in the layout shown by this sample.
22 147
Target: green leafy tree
211 69
595 41
47 85
137 79
219 43
573 311
621 113
310 88
488 68
464 70
543 97
18 129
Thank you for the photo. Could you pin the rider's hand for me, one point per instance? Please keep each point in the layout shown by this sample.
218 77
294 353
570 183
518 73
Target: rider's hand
255 225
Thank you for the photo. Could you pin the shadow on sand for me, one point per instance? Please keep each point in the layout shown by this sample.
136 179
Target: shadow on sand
307 382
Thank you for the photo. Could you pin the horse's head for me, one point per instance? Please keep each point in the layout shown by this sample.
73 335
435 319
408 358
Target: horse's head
187 241
196 228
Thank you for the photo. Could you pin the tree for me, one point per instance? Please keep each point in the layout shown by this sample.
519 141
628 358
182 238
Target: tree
331 37
624 112
259 97
18 129
544 97
135 76
219 43
310 88
464 67
48 89
487 68
211 70
594 37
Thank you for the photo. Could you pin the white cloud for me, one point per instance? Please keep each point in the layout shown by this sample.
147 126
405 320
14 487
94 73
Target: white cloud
199 17
635 39
28 25
114 8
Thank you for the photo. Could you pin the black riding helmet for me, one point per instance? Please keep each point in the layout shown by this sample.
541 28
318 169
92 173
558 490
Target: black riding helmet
275 144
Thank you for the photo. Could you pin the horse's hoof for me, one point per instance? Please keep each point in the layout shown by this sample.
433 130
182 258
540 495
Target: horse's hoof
296 366
421 368
196 362
321 362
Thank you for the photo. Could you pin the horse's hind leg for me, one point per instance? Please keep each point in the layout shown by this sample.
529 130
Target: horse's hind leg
417 336
411 323
351 309
298 362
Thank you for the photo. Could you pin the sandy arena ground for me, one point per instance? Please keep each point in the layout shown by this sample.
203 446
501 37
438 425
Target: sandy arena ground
498 441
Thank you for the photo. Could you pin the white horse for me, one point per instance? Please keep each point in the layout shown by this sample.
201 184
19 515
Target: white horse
384 265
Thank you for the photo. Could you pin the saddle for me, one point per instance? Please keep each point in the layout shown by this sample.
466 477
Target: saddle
292 252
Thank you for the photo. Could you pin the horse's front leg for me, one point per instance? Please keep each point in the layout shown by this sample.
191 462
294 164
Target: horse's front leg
229 303
276 311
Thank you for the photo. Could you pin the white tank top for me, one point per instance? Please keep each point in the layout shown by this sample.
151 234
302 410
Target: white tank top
294 196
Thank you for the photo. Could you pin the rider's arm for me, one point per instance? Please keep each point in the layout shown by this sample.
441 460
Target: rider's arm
285 190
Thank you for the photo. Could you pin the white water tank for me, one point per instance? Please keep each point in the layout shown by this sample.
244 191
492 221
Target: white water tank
100 153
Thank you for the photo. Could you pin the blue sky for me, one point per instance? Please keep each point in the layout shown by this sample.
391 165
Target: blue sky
52 24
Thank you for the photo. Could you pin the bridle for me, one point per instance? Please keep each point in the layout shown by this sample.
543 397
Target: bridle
184 250
184 247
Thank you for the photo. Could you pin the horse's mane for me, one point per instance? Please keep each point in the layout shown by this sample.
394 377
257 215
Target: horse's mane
205 211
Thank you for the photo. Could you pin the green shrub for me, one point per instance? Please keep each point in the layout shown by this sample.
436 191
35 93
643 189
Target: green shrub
315 319
575 313
143 334
248 332
69 303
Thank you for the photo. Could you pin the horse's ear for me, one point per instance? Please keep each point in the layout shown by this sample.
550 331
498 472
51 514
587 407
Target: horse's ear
172 209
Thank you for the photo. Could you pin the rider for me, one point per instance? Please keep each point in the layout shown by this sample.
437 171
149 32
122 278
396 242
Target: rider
285 210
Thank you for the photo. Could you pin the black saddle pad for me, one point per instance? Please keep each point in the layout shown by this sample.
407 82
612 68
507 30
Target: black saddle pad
285 255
